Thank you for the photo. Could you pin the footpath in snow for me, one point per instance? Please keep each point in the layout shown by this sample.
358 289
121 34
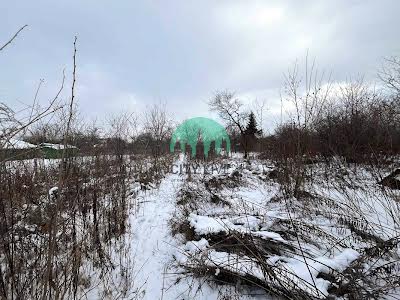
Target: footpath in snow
153 248
152 244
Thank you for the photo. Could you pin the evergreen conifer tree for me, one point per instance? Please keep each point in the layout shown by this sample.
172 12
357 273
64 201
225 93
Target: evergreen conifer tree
251 128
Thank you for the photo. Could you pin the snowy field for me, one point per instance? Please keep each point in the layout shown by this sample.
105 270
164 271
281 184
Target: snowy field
238 234
238 229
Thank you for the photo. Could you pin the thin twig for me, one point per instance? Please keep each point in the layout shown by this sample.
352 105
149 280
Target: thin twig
15 35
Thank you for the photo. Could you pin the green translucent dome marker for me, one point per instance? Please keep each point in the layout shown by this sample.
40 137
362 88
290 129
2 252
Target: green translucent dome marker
209 131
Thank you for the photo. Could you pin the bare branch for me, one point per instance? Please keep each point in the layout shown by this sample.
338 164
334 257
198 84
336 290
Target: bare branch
390 73
15 35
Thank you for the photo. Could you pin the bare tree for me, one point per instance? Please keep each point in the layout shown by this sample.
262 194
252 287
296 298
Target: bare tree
121 129
390 74
308 93
158 127
230 109
260 107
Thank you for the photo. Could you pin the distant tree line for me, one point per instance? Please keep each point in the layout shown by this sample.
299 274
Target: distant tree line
353 120
357 123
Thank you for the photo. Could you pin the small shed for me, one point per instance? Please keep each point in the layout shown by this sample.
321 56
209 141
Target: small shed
56 150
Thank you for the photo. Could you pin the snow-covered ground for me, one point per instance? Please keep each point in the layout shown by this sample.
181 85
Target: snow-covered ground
249 209
152 243
153 249
238 233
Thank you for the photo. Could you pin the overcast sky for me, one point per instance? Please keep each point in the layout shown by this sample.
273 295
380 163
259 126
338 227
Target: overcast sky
133 53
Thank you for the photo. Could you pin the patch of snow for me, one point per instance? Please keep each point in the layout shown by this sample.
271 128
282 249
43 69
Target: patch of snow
269 235
57 146
206 225
250 222
53 190
338 262
306 276
17 144
196 246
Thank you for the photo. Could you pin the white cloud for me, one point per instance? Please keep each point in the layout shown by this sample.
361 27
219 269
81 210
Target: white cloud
98 92
250 15
182 52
